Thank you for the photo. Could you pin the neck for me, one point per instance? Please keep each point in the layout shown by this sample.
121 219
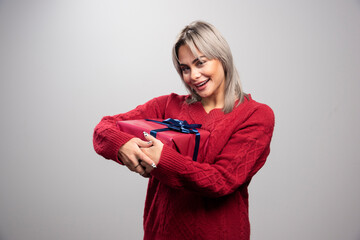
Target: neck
212 103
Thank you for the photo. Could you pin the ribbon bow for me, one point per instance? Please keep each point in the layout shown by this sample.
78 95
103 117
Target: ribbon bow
179 126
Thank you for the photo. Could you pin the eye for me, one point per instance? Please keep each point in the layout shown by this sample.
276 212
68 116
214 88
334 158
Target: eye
185 69
200 63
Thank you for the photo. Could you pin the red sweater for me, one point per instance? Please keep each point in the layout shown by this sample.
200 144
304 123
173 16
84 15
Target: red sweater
207 199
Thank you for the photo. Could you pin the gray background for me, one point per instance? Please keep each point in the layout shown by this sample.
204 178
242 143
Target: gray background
65 64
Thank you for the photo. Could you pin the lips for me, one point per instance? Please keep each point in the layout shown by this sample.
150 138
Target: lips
202 83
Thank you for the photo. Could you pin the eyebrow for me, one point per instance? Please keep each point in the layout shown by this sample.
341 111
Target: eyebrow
194 61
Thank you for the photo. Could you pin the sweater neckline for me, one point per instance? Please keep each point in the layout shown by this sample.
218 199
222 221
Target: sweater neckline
201 115
202 112
219 109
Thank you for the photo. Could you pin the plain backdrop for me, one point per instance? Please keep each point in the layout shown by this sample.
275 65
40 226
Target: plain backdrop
64 64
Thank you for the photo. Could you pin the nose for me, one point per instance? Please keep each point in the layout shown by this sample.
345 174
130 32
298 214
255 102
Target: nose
195 73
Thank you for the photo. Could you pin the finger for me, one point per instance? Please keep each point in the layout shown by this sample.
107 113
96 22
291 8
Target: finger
143 144
148 168
138 168
144 164
149 137
145 174
133 164
143 157
139 164
127 162
147 152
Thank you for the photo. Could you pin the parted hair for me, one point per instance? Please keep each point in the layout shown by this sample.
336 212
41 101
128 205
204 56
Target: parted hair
207 39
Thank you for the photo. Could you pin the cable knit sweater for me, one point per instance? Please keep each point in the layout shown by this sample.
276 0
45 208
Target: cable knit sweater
207 199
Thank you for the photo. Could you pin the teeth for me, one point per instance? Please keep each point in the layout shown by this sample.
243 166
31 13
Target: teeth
201 84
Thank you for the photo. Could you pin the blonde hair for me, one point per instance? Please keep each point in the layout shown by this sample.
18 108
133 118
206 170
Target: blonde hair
207 39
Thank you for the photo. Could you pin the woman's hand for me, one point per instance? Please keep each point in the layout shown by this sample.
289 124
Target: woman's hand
153 152
131 155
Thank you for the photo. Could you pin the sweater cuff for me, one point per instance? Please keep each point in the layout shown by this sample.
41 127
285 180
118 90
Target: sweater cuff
171 166
118 140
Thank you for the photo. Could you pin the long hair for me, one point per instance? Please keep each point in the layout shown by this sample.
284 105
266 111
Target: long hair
207 39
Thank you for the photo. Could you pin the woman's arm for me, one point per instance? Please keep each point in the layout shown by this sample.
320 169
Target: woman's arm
243 155
108 139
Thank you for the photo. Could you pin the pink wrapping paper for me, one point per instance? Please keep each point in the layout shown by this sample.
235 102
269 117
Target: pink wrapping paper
184 143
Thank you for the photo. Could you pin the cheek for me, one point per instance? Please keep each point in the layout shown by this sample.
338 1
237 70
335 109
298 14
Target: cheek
219 72
186 78
210 70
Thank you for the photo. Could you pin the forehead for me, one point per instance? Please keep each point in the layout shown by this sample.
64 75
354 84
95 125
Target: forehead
186 56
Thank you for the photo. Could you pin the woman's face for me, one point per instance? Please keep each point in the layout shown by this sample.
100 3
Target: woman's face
205 76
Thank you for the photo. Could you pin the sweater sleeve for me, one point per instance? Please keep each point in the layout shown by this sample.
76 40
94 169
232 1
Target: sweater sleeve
107 137
243 155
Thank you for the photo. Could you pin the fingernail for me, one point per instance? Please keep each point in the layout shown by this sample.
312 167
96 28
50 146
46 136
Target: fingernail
149 142
145 134
153 165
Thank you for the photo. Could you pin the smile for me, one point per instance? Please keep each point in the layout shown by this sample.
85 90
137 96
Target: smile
202 83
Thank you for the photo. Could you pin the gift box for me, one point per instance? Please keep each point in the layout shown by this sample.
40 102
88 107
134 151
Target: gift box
187 139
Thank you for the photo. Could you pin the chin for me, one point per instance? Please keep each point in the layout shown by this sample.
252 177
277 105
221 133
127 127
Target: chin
203 95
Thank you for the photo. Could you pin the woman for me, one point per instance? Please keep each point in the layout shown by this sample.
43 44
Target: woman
207 198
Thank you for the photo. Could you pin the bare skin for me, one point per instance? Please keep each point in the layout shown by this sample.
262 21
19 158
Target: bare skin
207 78
141 156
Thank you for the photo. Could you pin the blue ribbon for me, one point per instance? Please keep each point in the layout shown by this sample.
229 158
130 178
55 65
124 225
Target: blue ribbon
179 126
